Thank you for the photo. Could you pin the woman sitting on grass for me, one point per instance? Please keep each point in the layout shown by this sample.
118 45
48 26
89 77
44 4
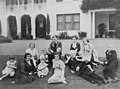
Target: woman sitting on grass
26 70
59 70
10 68
111 65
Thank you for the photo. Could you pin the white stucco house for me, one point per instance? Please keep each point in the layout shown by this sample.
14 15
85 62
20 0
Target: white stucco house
29 17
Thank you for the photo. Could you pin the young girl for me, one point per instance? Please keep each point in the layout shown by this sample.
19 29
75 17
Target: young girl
59 70
10 68
42 67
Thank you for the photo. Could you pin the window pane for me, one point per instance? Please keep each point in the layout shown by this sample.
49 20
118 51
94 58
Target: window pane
60 26
60 18
68 18
68 26
76 26
7 2
25 1
59 0
29 1
76 18
21 1
112 22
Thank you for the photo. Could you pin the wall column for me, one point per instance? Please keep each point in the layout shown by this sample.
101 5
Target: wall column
93 25
33 27
5 26
18 24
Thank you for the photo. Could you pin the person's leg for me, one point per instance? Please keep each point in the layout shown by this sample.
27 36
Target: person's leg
5 75
95 76
88 78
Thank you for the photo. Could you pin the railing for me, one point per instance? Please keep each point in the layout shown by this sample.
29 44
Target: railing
25 7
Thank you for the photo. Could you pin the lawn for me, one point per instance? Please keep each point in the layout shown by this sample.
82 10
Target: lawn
18 48
75 82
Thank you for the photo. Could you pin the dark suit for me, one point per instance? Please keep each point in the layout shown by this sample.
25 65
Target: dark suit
23 71
76 48
54 46
112 64
84 71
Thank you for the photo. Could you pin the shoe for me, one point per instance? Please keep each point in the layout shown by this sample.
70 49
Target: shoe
99 83
72 71
0 79
64 82
13 82
93 82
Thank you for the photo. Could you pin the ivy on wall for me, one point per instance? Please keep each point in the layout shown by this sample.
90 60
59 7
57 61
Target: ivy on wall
99 4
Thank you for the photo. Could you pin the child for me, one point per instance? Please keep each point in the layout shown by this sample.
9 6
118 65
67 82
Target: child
44 55
42 68
10 68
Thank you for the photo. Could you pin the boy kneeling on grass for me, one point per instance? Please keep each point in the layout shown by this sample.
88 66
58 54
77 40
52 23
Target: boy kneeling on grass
10 68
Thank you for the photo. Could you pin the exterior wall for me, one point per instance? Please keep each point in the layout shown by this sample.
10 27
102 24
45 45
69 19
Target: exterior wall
68 7
52 8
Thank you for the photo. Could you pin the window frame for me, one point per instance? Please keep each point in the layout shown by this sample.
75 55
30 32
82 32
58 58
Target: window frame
64 22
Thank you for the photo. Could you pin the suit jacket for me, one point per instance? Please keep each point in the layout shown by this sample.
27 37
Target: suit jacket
27 68
54 46
111 57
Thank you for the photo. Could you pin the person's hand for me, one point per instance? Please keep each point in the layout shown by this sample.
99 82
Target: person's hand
77 68
30 73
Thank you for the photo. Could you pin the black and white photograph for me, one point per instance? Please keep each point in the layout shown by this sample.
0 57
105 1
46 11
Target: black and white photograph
59 44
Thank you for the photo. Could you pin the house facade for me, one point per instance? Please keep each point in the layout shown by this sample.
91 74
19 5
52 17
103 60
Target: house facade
28 17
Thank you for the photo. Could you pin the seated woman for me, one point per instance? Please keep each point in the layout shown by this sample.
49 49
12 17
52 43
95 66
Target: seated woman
75 46
26 70
34 53
111 65
83 70
59 69
90 54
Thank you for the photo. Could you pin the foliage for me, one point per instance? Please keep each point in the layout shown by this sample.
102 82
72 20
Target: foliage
48 25
4 39
111 34
98 4
48 37
82 34
64 35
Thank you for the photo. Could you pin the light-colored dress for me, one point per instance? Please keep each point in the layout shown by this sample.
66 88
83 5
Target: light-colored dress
58 66
34 53
42 69
9 69
89 51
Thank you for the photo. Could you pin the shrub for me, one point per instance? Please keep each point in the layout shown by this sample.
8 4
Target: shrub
63 35
82 34
48 37
111 34
117 32
29 37
4 39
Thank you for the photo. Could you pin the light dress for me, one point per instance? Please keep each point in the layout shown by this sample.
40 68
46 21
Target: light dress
42 69
9 69
58 66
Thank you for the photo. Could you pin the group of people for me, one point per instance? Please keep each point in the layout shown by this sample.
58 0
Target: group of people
80 60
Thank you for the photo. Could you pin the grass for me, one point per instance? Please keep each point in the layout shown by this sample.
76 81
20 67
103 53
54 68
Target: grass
75 82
